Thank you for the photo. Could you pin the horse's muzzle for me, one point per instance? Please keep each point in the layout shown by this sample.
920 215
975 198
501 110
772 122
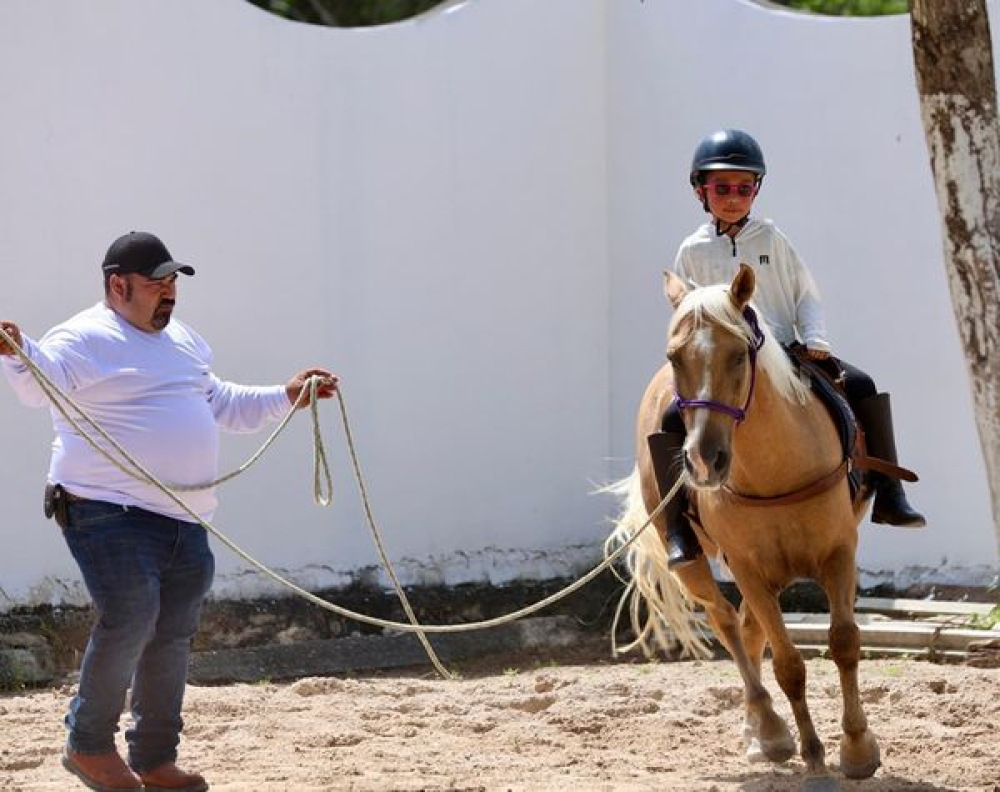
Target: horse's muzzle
707 465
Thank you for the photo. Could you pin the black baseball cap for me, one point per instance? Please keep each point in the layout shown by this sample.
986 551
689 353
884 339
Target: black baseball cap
142 252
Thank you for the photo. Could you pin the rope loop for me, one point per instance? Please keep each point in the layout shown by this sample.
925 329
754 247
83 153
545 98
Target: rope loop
65 404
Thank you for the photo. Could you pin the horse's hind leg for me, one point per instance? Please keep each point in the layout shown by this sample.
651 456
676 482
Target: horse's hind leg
766 732
789 668
859 752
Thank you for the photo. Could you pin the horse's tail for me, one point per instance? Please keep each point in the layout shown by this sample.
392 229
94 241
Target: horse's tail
668 618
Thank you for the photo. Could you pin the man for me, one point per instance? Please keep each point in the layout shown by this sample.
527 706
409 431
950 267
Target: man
146 378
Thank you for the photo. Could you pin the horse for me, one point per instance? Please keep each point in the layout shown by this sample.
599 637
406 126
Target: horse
769 496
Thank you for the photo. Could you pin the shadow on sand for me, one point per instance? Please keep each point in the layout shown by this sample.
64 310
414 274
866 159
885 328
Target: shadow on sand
789 779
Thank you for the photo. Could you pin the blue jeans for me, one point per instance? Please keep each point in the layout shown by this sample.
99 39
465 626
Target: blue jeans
147 576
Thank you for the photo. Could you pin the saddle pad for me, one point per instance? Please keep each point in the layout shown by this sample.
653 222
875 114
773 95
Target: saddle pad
839 409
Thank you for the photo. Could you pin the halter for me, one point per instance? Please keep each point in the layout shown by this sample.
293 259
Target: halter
736 413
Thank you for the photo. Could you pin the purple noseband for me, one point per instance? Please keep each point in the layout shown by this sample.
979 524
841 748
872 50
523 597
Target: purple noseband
738 414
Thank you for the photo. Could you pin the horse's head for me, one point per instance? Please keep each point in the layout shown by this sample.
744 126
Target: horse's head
712 347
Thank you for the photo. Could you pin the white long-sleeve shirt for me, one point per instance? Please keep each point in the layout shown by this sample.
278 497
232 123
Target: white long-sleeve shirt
154 393
786 292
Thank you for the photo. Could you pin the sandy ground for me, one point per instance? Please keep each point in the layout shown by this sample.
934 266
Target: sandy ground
551 725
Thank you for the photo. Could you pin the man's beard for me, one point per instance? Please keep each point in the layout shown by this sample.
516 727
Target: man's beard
161 316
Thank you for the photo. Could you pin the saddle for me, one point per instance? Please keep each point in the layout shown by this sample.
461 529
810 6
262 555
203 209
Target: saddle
826 378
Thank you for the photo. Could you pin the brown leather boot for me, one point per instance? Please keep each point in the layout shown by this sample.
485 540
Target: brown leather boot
682 544
104 772
168 777
891 506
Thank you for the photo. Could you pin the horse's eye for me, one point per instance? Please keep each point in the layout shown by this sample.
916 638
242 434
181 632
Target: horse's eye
738 359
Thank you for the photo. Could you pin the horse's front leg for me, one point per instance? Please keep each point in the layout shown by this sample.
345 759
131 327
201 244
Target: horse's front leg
753 636
859 752
754 640
789 668
765 732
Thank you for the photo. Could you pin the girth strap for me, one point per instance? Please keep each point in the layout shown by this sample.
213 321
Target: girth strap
817 487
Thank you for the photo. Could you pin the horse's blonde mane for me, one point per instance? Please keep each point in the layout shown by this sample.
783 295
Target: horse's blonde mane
713 303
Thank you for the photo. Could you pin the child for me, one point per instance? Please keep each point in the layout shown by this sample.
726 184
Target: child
726 173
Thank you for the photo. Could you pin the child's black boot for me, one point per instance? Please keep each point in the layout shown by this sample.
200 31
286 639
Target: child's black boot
665 451
891 506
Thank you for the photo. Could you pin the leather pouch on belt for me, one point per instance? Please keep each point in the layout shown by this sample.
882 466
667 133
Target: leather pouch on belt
56 504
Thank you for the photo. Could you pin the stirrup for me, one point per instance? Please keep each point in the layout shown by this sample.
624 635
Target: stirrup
683 546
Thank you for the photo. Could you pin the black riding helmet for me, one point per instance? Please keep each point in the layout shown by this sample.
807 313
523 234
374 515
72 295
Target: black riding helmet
727 149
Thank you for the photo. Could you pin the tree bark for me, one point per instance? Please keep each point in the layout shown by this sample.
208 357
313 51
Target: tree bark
953 54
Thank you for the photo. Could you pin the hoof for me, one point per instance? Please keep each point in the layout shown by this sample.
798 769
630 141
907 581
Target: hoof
859 758
777 749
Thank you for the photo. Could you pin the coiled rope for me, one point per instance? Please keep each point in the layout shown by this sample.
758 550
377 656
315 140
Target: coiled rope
132 467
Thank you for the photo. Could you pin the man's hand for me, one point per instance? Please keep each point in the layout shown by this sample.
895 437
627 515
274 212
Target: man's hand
14 332
817 354
327 386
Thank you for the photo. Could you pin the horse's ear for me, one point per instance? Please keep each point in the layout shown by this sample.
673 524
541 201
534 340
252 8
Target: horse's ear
743 286
674 288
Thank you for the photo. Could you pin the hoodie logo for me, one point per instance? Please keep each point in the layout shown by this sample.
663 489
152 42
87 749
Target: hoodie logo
765 259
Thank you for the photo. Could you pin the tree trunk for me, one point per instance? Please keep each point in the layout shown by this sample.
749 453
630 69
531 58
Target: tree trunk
953 53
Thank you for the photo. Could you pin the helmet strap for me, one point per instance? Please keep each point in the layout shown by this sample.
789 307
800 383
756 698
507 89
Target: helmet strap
726 228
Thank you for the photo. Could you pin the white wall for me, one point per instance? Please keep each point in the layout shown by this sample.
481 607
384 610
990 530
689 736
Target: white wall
465 216
419 207
833 102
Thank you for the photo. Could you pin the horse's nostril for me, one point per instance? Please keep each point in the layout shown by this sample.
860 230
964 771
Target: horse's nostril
721 461
688 466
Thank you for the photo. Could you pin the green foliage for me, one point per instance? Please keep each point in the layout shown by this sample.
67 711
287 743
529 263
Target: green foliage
346 13
989 621
848 7
14 672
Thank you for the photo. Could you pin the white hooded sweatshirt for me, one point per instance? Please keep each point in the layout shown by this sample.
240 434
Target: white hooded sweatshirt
786 293
154 393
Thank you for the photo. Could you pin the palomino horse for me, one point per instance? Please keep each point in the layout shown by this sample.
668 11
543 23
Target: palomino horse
781 445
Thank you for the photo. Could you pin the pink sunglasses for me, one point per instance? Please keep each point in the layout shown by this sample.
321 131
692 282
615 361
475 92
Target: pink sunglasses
742 190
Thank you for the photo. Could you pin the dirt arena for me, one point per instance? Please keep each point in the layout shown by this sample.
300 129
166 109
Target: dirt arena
546 724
